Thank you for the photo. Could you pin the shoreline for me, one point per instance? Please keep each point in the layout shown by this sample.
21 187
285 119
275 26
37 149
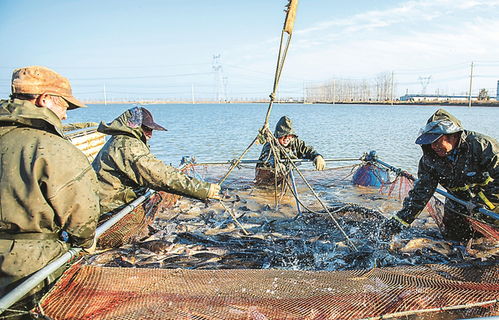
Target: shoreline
397 103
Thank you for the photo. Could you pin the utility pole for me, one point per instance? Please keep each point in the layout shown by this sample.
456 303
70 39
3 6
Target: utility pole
424 83
217 68
391 95
334 91
105 95
192 94
471 84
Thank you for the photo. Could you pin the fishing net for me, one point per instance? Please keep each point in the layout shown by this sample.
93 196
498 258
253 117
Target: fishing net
88 292
133 226
399 189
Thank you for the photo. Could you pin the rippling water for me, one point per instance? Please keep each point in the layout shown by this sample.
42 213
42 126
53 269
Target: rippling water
220 132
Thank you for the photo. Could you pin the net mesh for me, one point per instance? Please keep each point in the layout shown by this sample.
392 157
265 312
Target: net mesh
134 225
88 292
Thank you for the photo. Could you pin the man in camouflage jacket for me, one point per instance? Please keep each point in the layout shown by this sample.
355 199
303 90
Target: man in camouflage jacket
466 163
125 166
48 190
292 146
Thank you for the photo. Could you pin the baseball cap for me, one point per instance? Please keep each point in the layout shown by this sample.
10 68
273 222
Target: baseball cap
148 121
428 138
38 80
435 129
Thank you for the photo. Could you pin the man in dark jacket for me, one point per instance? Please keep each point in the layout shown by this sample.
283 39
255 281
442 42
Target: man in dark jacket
292 146
464 162
48 190
125 165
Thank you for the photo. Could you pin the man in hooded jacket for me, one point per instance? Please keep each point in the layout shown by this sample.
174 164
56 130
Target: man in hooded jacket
48 190
294 147
466 163
125 165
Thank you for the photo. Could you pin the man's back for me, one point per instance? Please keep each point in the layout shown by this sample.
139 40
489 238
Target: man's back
48 186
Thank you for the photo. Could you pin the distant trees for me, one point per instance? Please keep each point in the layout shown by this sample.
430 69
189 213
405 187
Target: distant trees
483 95
380 88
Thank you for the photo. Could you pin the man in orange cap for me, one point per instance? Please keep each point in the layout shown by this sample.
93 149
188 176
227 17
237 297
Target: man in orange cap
48 190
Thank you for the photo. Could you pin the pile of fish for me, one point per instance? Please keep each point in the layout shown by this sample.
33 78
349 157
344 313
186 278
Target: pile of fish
247 231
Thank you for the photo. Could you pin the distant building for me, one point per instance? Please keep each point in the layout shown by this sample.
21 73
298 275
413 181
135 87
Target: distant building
434 97
442 98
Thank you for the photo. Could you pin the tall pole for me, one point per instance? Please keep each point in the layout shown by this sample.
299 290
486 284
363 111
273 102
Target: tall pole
334 91
391 94
192 93
105 95
471 83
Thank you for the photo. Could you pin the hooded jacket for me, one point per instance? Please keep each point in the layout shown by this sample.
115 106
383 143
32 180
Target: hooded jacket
125 166
471 168
46 186
296 149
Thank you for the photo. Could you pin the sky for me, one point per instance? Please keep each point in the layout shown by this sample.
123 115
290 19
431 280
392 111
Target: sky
207 49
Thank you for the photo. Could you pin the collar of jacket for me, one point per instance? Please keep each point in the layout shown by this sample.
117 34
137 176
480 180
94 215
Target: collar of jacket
25 113
121 126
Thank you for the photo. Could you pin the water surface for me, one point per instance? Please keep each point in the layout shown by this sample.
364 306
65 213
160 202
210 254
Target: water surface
220 132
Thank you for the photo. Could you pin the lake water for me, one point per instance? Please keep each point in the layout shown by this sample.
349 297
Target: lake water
221 132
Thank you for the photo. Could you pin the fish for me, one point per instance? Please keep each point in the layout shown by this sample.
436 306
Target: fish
157 246
414 245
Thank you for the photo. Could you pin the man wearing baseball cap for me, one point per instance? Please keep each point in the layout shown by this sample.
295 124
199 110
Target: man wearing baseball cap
464 162
125 166
48 190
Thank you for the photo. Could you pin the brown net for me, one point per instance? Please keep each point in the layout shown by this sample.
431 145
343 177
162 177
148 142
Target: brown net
88 292
134 225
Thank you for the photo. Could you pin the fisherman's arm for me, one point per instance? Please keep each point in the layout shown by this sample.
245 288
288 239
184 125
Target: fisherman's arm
418 197
489 153
266 156
308 152
153 173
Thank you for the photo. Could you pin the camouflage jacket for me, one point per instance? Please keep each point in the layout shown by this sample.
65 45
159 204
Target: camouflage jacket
46 185
125 166
296 149
463 173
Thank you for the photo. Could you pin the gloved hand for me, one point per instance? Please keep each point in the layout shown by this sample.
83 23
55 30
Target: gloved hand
389 228
319 163
92 248
214 192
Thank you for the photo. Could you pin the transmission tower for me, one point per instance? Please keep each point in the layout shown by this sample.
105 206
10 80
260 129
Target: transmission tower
424 83
220 80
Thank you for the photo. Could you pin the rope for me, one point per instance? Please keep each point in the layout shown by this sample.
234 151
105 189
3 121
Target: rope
271 137
413 312
235 163
234 218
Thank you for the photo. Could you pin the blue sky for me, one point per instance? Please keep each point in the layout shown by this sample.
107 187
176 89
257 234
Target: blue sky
164 48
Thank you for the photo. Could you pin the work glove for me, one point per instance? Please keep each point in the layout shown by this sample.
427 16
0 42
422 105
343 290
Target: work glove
214 192
91 250
319 163
389 228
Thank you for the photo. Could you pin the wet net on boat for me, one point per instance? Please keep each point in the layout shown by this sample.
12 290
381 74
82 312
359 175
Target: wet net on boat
289 250
134 225
89 292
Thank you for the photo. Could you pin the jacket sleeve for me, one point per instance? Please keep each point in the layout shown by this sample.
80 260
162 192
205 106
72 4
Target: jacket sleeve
266 157
489 162
72 191
303 151
148 171
421 193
